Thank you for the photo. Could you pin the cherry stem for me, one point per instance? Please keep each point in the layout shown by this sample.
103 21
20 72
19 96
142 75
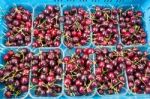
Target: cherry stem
41 24
14 74
90 84
115 89
143 82
136 62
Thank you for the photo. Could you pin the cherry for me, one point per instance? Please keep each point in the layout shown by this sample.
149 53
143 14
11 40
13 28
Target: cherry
67 82
66 59
147 90
24 88
101 92
8 94
1 73
109 67
6 57
81 90
111 75
24 80
145 79
34 80
50 79
78 83
78 51
119 47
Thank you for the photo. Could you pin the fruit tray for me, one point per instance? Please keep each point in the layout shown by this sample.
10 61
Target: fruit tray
27 48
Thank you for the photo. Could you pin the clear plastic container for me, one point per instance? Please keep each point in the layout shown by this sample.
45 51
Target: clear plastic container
4 29
32 90
70 52
2 65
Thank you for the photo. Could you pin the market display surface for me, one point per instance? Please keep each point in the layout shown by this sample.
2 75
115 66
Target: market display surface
51 50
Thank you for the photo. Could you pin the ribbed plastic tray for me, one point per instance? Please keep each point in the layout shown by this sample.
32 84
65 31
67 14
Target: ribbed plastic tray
70 52
124 90
3 88
3 13
36 6
32 90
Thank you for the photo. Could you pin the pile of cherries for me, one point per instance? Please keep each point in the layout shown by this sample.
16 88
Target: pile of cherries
15 74
47 73
138 70
76 27
109 70
104 26
79 79
19 23
47 28
131 30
